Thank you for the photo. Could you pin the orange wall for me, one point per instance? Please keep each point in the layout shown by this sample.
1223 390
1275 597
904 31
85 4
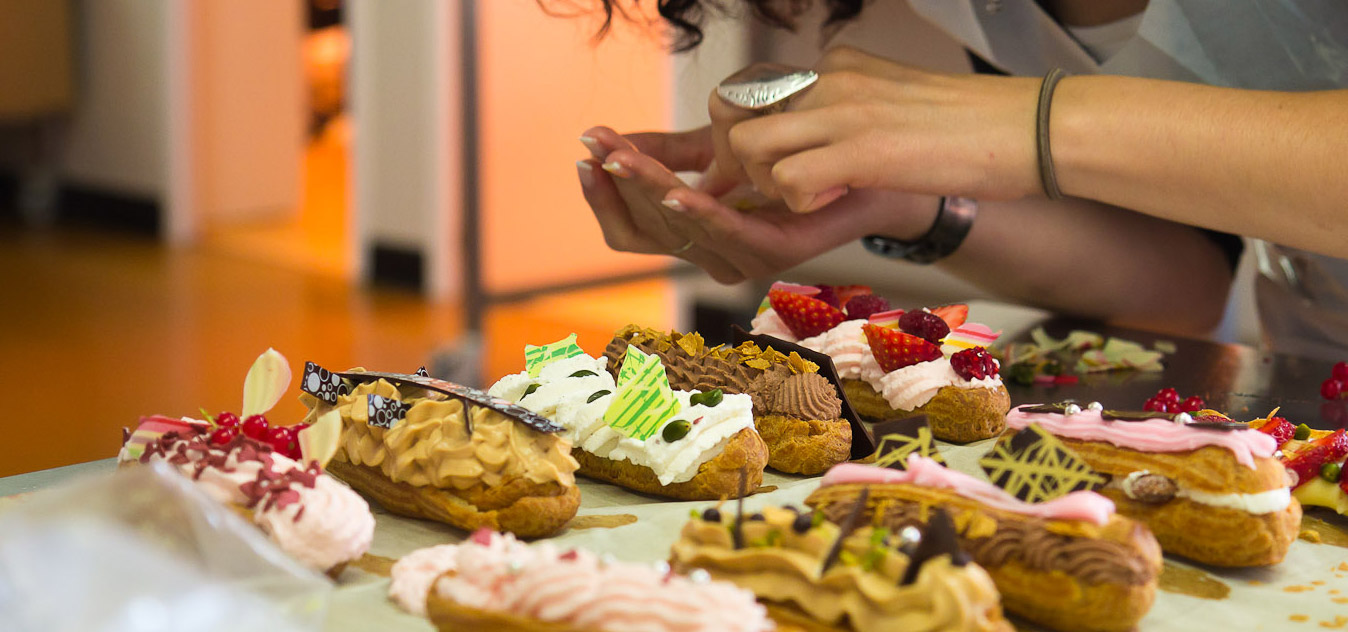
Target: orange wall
542 83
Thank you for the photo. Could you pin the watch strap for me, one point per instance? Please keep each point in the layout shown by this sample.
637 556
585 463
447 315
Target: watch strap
953 221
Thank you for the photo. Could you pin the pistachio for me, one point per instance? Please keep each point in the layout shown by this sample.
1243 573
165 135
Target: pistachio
583 373
676 430
596 395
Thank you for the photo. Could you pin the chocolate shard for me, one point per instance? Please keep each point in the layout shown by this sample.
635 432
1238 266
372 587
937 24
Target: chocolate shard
385 412
899 438
737 529
1059 408
1036 466
1226 426
1134 415
862 442
467 394
849 524
939 538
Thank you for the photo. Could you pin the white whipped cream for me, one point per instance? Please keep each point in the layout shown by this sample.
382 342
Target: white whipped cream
564 399
1270 501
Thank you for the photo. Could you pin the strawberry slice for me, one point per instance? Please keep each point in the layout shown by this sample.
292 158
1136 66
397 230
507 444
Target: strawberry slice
847 292
894 349
1280 429
804 316
1307 461
953 315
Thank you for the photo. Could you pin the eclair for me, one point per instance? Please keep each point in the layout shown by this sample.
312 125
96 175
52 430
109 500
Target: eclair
428 448
818 575
797 411
494 583
1070 563
897 363
638 432
1208 488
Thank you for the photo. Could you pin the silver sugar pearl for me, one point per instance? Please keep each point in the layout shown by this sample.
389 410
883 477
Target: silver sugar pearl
1183 418
1095 406
661 567
699 576
1072 409
515 566
607 559
909 535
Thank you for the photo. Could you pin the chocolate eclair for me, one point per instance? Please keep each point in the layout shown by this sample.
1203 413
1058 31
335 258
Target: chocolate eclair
1068 564
797 411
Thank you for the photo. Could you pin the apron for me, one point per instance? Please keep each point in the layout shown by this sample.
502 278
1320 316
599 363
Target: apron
1290 45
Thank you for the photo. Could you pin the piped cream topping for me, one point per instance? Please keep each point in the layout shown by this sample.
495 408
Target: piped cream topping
578 404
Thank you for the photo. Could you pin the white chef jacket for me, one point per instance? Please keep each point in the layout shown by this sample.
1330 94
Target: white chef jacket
1292 45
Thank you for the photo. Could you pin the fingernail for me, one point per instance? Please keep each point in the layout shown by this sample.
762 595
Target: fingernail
616 168
593 145
586 172
826 197
674 205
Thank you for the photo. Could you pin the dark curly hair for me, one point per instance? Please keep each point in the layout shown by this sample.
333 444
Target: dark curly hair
687 16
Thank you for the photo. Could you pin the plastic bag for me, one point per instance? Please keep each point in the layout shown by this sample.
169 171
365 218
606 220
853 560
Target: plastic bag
144 550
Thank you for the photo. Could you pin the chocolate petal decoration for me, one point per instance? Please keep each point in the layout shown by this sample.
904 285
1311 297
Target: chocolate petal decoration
845 529
863 444
1134 415
938 539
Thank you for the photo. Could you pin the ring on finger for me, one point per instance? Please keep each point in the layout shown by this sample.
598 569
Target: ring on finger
765 88
682 249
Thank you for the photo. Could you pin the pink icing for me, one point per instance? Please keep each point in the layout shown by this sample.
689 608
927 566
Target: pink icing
416 571
924 472
1152 435
578 588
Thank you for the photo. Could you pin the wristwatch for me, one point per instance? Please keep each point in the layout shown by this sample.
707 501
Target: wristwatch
953 221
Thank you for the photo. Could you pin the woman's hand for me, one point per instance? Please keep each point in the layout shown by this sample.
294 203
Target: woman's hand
869 123
643 207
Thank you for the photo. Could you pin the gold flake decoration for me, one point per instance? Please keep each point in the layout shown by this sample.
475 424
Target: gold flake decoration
1036 466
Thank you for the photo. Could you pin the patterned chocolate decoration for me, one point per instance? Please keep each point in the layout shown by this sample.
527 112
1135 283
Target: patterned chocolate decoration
937 539
900 437
321 383
385 412
463 393
862 443
422 372
1036 466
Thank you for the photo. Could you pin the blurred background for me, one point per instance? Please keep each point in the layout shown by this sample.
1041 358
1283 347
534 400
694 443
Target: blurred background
378 183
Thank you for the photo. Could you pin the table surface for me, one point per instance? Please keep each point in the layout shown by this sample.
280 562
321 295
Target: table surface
1310 587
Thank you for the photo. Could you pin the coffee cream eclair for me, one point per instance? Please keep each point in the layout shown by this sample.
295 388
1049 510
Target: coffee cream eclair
428 448
494 583
1209 489
797 411
1070 563
635 430
818 575
897 363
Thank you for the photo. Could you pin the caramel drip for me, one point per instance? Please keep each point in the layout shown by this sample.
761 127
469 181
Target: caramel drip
431 446
1029 542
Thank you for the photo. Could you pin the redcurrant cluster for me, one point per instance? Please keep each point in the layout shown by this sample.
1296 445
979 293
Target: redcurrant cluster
974 364
1167 400
282 439
1336 387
